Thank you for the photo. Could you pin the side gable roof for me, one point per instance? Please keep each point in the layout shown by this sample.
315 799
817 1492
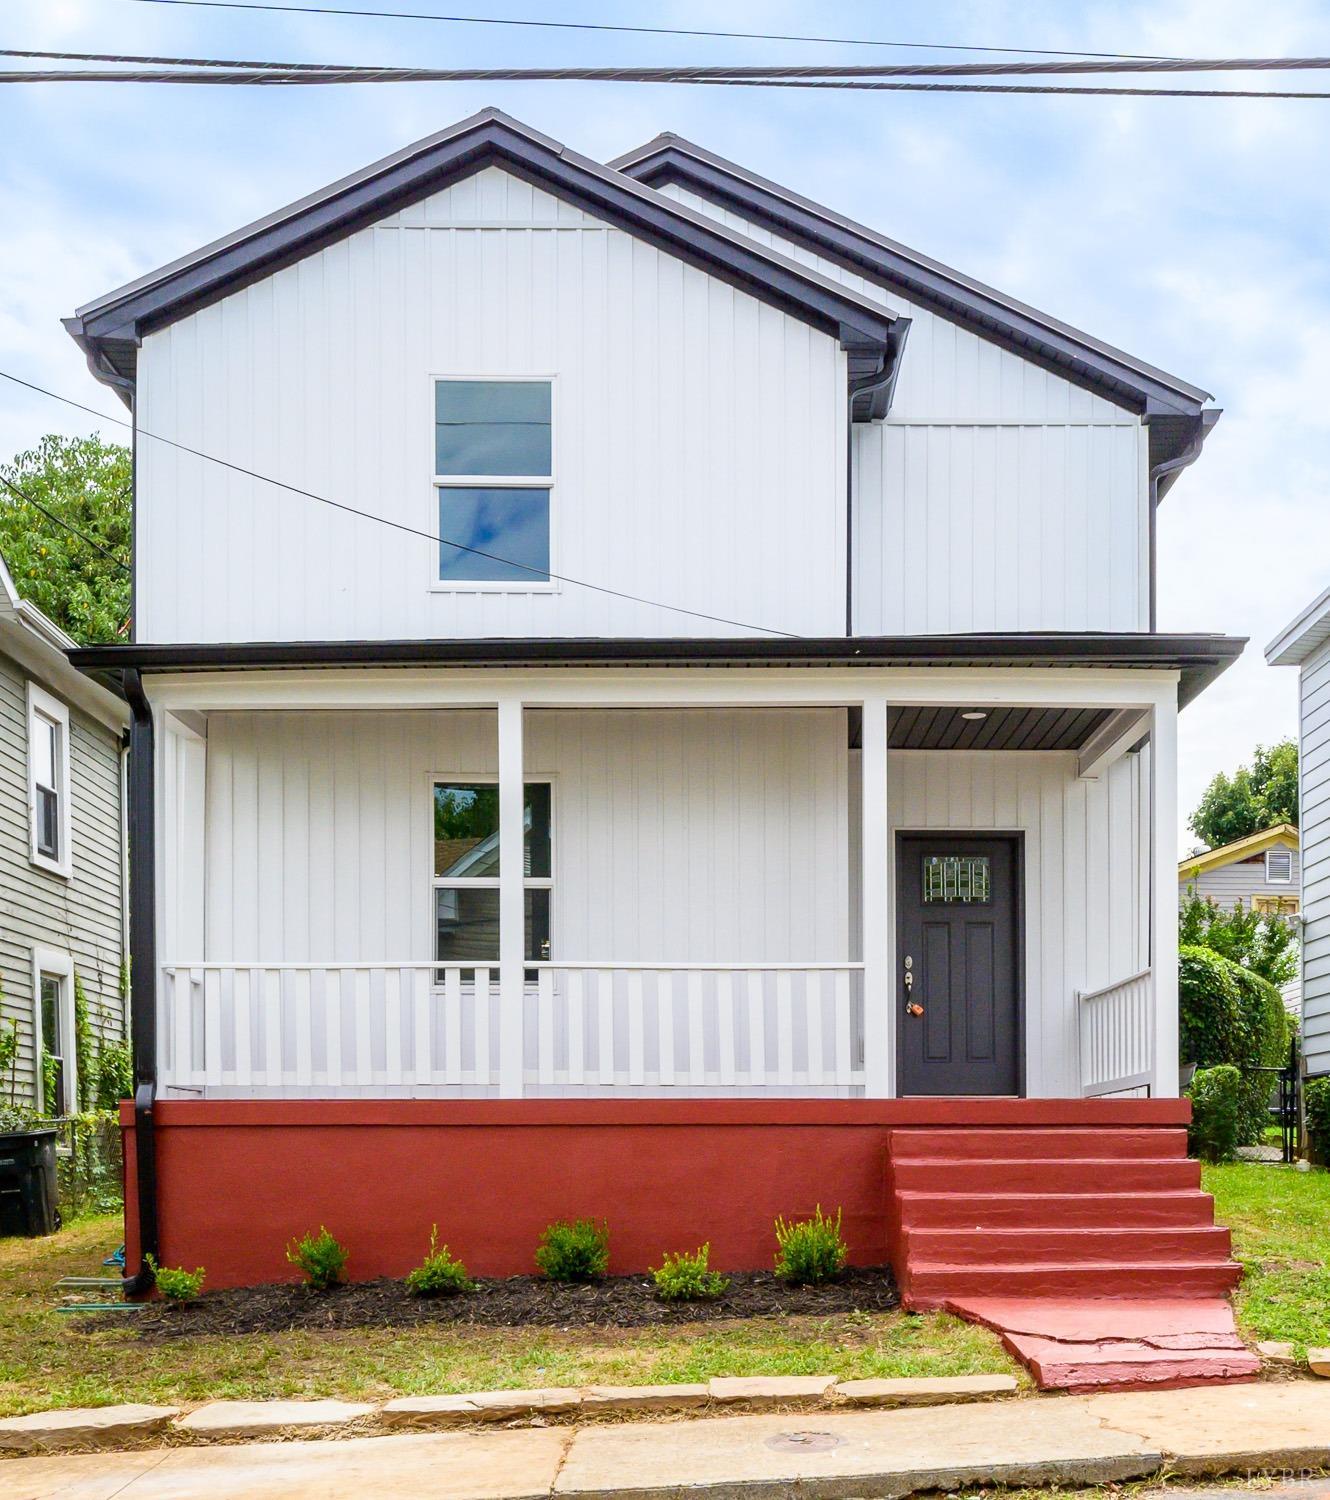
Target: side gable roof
1301 636
1175 410
1246 848
110 328
40 646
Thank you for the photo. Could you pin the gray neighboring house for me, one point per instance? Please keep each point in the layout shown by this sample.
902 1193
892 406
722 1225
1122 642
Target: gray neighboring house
1262 871
62 847
1305 644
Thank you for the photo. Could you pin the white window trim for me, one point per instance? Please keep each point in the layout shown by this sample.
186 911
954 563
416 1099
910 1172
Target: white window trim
491 882
1279 879
496 482
42 703
61 965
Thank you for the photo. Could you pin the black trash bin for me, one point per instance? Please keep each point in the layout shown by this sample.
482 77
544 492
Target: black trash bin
28 1198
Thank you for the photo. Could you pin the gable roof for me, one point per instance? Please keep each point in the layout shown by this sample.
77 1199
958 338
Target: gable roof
1301 636
110 328
1174 409
1245 848
40 647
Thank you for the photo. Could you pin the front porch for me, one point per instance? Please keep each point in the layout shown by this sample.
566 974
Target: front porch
692 883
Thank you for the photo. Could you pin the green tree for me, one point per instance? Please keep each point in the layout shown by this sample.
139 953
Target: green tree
1255 797
1264 943
86 484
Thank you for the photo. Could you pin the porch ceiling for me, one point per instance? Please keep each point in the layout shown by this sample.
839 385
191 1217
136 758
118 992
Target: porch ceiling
998 729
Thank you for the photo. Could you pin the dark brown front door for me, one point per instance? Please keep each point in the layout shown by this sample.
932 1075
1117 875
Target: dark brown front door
957 962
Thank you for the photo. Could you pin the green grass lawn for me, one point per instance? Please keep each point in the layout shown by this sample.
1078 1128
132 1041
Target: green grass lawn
1280 1219
44 1362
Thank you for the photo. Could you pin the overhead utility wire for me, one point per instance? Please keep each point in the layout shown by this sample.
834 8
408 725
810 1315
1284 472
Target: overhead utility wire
268 78
367 515
725 71
749 36
50 515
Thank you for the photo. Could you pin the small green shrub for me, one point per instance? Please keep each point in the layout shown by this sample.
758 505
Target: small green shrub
321 1257
175 1283
688 1278
114 1075
574 1250
439 1274
810 1250
1216 1106
1316 1102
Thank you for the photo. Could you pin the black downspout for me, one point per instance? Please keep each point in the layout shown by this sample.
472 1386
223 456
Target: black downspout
142 822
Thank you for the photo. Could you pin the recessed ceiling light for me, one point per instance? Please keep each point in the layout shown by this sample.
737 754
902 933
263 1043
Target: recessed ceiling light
975 713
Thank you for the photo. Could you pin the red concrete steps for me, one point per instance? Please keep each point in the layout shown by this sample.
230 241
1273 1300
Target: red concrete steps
945 1210
1076 1143
1066 1246
1048 1226
1035 1175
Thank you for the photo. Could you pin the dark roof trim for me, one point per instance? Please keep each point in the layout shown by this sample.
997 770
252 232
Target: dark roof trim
110 328
1058 346
1200 658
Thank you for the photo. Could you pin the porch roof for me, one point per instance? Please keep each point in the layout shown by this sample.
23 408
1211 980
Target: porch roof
1198 658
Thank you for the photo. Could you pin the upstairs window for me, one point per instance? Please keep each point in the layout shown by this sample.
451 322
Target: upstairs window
493 474
1278 867
48 781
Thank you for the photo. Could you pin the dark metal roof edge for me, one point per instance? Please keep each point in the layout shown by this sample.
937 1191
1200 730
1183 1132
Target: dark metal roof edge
321 218
670 157
1200 658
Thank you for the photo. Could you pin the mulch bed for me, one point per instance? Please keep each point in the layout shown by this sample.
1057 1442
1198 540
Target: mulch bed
517 1302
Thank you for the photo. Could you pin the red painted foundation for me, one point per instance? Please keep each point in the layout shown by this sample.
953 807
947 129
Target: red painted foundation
238 1179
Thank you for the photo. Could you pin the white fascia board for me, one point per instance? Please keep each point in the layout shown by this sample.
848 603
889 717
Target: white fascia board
1302 635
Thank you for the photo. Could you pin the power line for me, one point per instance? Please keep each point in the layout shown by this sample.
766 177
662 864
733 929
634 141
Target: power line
60 521
270 78
724 71
366 515
751 36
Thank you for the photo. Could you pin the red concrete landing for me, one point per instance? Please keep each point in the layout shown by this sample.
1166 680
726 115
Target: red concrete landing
1130 1343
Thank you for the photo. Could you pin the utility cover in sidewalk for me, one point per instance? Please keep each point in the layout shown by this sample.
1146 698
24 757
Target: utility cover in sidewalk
804 1442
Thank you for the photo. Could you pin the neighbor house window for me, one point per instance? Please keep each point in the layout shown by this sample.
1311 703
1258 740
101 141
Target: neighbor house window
466 871
493 473
48 781
53 985
1278 867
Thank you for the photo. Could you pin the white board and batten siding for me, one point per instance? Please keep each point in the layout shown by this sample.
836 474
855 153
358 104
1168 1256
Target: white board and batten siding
997 496
679 836
1315 835
699 436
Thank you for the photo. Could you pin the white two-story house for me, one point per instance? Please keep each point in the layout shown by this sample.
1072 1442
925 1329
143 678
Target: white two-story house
628 665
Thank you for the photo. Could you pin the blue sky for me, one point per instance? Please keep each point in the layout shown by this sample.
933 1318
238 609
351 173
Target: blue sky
1192 233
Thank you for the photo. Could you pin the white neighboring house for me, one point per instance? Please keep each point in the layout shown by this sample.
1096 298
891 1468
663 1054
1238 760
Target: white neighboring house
867 698
62 850
1305 644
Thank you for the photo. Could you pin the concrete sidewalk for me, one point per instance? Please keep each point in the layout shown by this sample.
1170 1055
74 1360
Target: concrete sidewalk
1283 1427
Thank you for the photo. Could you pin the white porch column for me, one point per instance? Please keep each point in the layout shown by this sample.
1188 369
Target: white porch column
512 906
1164 894
879 991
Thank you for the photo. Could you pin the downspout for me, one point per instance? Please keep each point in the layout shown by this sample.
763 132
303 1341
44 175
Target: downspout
1160 473
143 969
882 379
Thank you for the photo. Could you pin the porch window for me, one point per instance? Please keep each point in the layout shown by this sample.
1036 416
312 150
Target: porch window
493 473
1278 867
466 871
48 781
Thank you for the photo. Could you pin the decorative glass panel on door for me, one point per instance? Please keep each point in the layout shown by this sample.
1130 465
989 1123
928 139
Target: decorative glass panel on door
960 878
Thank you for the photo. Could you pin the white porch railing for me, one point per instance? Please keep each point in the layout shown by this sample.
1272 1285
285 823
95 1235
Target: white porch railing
1117 1029
696 1027
420 1029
